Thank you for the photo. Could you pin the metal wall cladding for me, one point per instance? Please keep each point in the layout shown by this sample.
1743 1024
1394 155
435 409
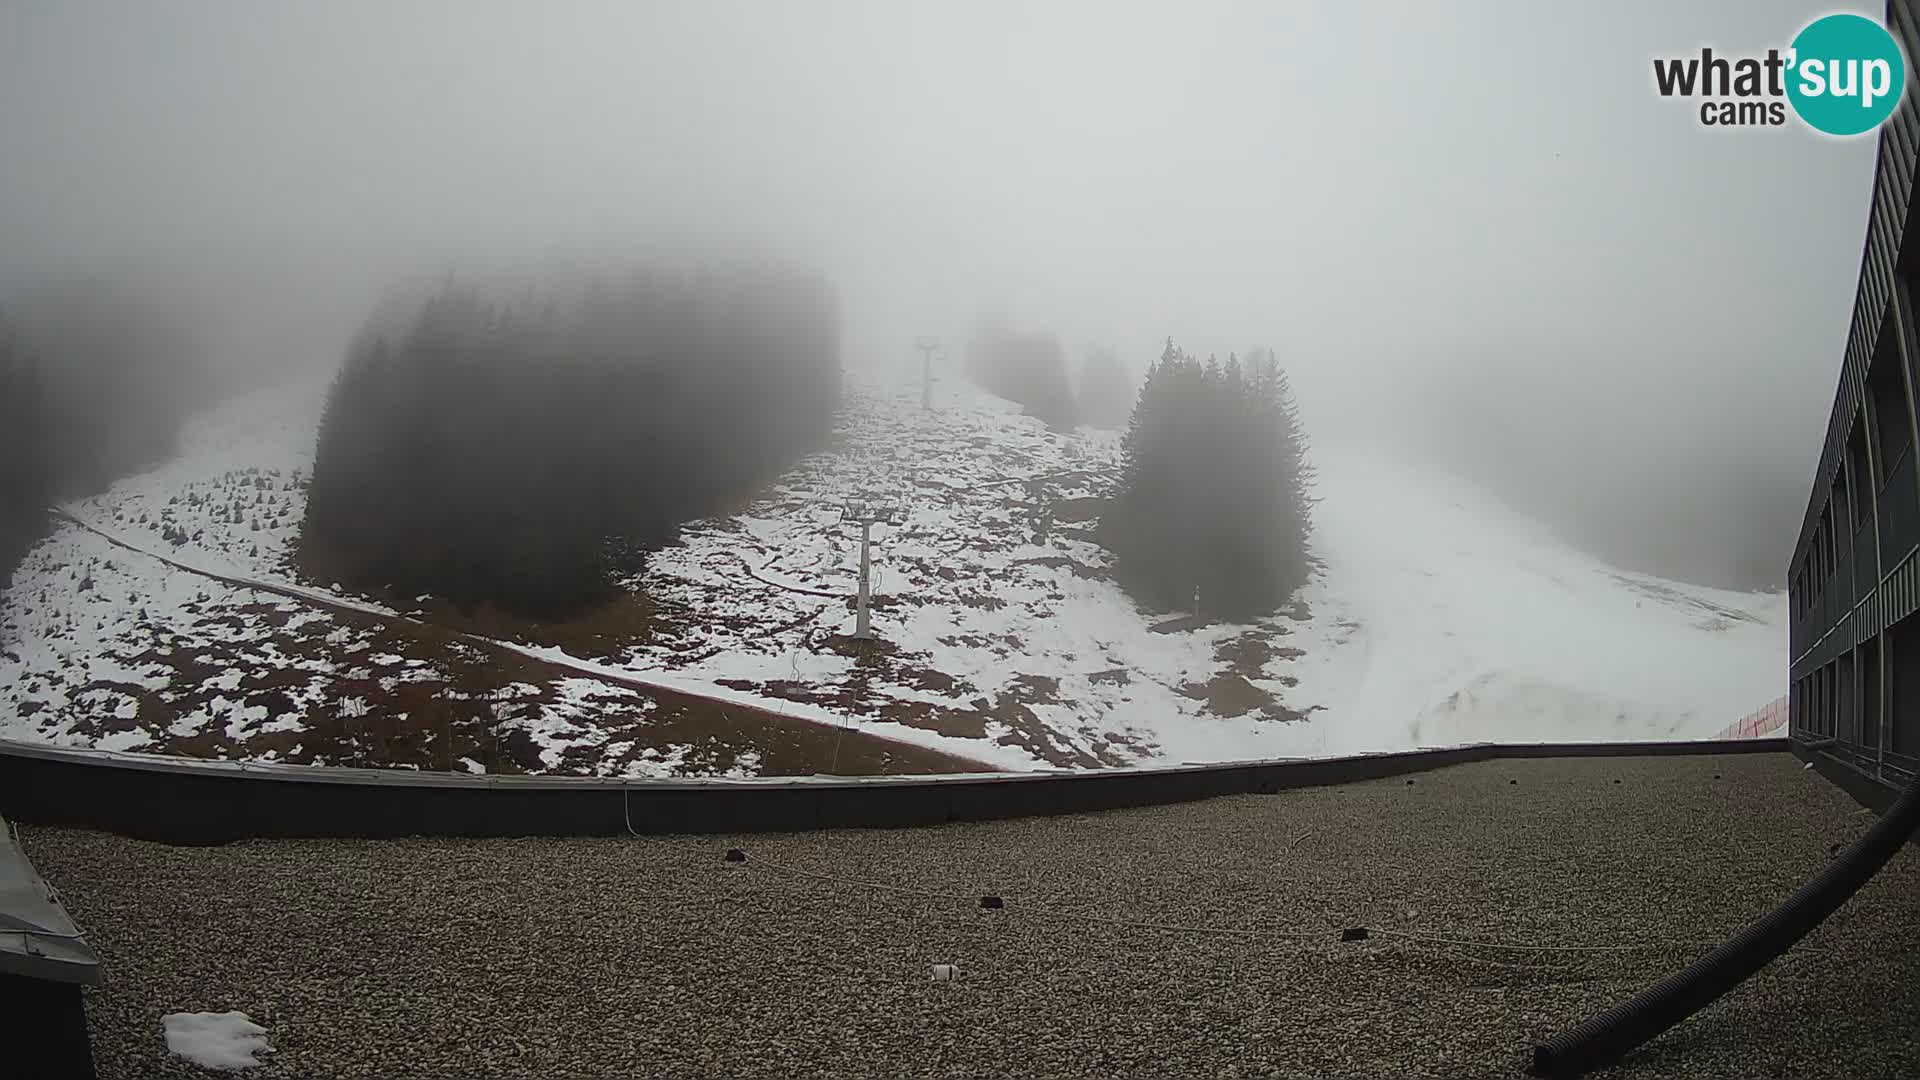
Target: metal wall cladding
1876 586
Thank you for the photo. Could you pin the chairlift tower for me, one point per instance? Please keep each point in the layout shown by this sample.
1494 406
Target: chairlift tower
927 346
868 513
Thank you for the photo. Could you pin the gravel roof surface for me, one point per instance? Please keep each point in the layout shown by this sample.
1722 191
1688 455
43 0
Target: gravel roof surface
656 956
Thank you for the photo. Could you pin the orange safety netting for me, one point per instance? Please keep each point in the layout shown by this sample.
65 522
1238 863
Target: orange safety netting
1762 722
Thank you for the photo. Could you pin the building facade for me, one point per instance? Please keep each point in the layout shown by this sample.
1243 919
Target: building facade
1854 583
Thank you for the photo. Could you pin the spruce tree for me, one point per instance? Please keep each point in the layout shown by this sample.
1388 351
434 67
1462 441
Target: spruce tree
1212 509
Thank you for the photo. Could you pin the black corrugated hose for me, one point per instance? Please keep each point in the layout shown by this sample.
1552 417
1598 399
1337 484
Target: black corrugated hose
1618 1031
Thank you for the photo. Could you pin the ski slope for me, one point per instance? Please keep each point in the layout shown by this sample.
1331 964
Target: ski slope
1438 617
1467 622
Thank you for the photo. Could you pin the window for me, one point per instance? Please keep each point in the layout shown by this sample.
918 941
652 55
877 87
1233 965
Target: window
1903 669
1823 553
1840 500
1829 699
1870 694
1887 393
1817 713
1831 546
1820 553
1860 482
1846 712
1829 724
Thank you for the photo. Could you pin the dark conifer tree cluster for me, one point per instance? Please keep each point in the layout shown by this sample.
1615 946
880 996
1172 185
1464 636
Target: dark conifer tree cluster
1214 501
25 479
119 370
1029 369
1106 390
521 450
95 380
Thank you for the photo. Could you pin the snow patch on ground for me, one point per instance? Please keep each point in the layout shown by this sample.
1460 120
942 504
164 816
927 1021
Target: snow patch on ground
233 499
225 1041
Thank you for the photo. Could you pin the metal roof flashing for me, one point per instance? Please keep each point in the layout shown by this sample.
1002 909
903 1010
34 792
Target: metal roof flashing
38 939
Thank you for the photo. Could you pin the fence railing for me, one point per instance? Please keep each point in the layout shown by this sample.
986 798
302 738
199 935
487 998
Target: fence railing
1769 719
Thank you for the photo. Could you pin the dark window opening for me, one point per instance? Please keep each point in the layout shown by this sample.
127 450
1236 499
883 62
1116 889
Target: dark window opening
1823 541
1861 483
1830 726
1871 694
1840 500
1903 670
1887 392
1846 713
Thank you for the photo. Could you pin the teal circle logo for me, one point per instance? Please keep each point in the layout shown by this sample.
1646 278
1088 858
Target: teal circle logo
1845 74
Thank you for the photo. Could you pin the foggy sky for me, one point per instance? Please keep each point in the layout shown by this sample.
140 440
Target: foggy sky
1387 193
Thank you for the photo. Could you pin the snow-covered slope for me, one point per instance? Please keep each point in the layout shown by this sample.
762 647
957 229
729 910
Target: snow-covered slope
1439 617
1461 621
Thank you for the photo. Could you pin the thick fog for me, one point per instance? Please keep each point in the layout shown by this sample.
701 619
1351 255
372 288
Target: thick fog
1471 229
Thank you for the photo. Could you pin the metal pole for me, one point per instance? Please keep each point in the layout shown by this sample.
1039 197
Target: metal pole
864 627
927 346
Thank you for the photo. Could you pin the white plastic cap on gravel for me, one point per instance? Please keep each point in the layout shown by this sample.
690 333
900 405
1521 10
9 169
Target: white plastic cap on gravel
225 1040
